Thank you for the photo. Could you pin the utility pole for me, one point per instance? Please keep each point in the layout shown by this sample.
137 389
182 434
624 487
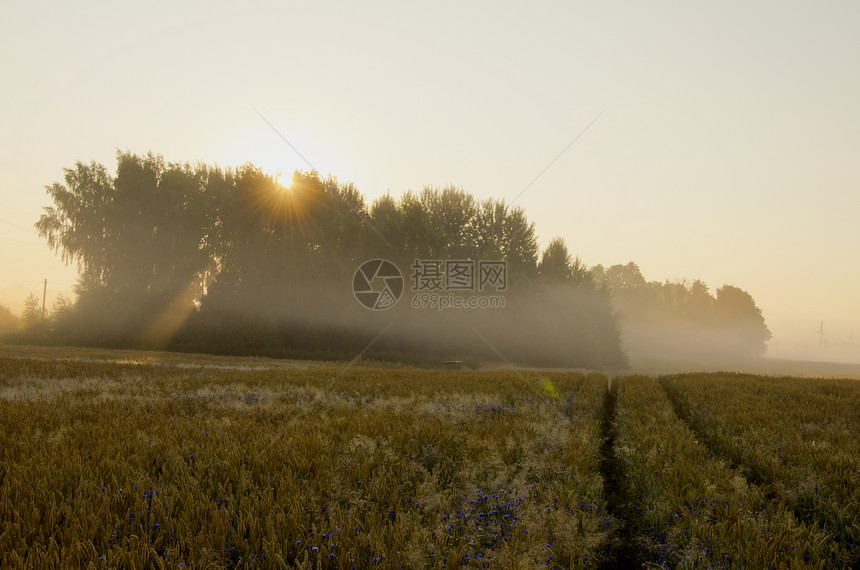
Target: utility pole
821 336
44 292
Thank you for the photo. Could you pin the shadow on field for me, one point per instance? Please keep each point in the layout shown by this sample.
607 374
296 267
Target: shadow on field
619 550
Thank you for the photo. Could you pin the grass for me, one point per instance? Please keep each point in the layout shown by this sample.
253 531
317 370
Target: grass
133 465
796 438
135 460
694 509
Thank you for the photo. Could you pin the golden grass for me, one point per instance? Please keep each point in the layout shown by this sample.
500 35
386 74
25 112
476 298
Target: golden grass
696 511
798 437
122 464
133 460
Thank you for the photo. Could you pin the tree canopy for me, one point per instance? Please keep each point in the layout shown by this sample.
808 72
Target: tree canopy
197 257
230 260
684 317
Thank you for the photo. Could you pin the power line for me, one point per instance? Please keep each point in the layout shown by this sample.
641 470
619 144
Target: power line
33 285
551 162
22 241
20 211
19 227
283 138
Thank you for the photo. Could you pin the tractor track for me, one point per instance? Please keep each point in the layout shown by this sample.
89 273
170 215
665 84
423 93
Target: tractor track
620 550
753 475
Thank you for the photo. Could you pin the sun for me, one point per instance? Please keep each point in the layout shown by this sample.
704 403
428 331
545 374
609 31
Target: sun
298 150
258 148
285 182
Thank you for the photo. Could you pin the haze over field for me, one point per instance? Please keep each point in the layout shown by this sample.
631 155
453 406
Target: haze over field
724 147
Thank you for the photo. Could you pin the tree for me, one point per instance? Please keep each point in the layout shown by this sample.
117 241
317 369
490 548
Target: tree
8 321
699 303
76 225
490 216
682 317
231 260
386 219
141 239
31 316
736 310
625 277
519 244
451 215
62 310
580 274
419 239
555 263
350 227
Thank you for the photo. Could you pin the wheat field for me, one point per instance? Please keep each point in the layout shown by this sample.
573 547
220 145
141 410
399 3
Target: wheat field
139 460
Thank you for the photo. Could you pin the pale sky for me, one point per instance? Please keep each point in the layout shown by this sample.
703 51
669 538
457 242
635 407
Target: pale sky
729 149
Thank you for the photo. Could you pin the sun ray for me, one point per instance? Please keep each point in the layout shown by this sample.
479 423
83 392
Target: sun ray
165 325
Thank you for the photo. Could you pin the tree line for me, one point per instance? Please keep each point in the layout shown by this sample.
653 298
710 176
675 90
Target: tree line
198 257
229 260
675 318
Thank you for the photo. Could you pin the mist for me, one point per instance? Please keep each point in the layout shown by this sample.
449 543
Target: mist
813 340
206 259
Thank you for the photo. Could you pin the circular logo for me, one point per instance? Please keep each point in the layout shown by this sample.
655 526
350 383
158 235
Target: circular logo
377 284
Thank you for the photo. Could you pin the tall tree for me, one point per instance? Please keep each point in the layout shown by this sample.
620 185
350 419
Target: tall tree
77 225
139 239
420 238
490 216
735 308
555 263
451 215
519 244
386 219
61 311
31 316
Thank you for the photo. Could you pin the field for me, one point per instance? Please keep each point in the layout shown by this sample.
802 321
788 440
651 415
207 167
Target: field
136 460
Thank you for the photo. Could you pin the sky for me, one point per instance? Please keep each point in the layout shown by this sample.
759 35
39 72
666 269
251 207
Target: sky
724 138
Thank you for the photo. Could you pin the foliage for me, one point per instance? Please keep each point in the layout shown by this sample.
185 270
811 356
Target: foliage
62 310
31 316
229 260
138 239
683 318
